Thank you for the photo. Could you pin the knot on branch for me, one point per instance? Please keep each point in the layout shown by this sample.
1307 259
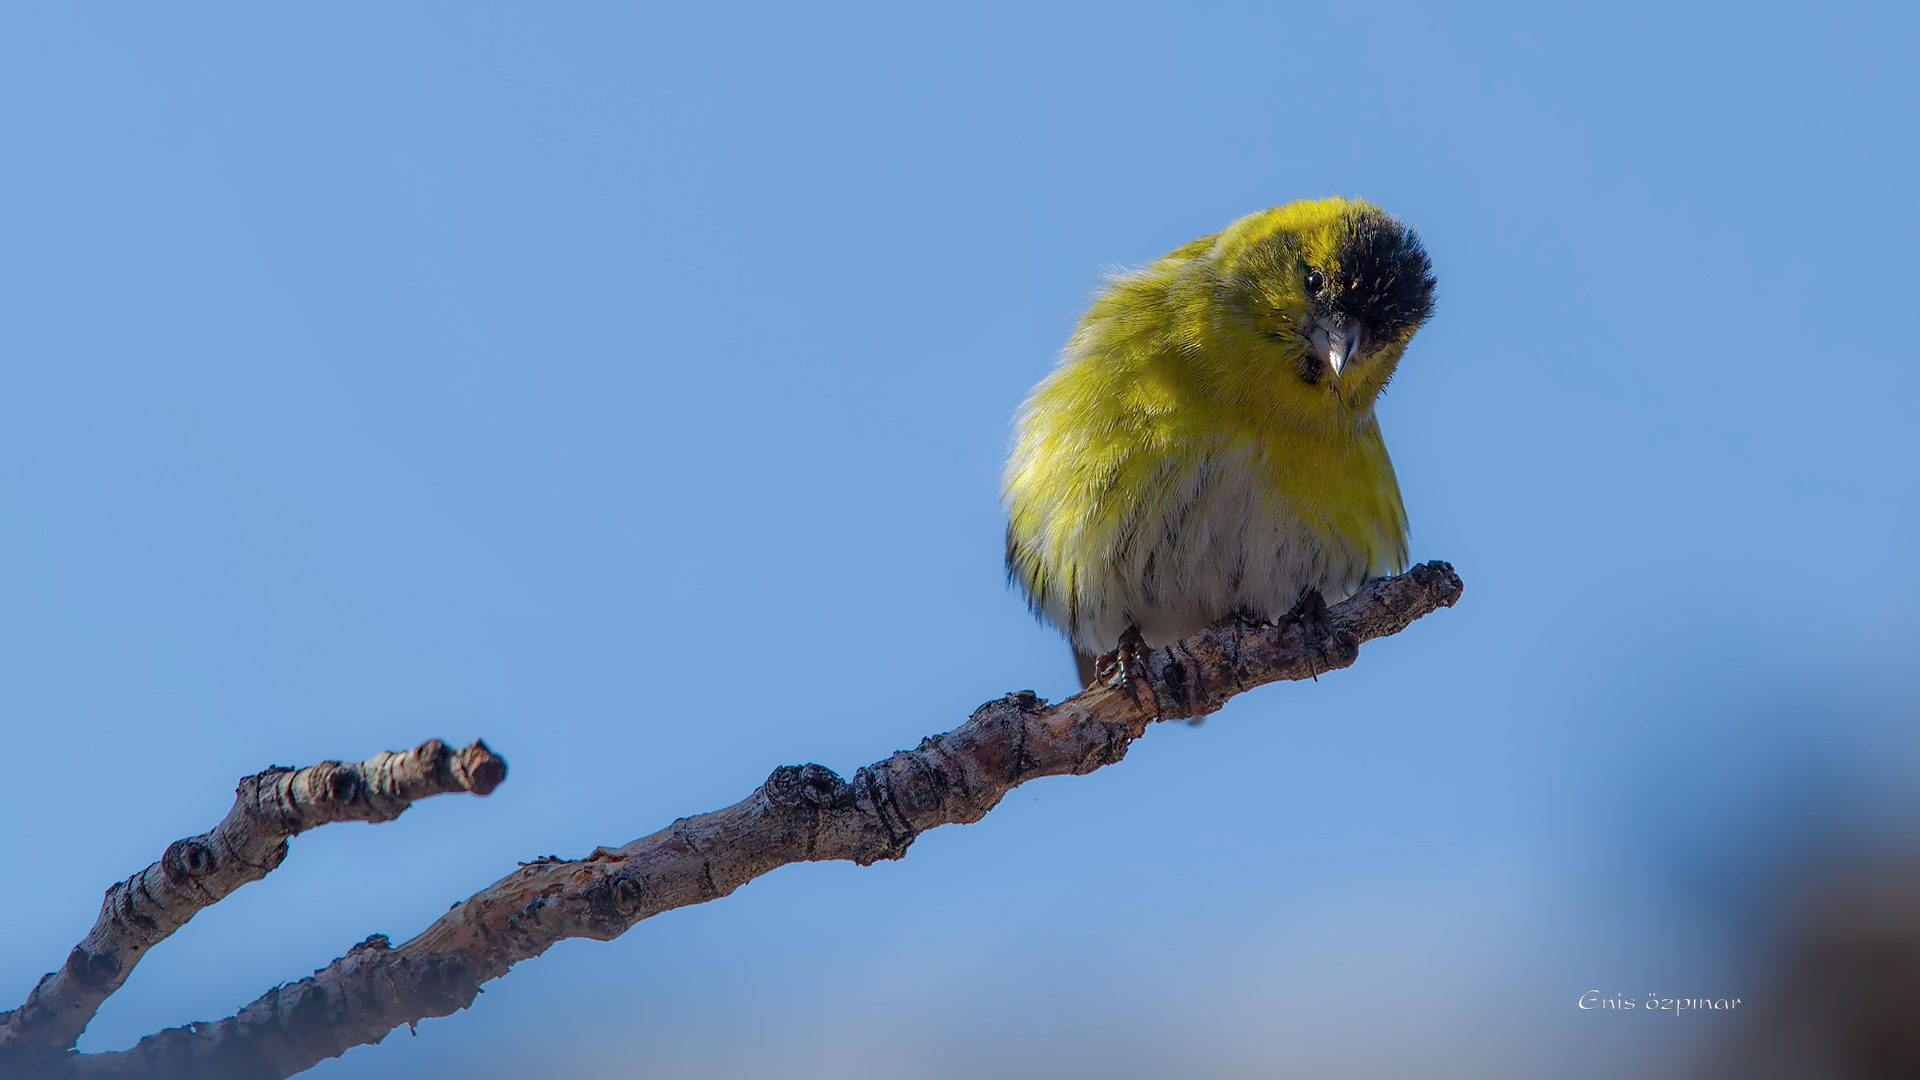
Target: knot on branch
810 785
329 791
185 860
616 901
91 971
339 784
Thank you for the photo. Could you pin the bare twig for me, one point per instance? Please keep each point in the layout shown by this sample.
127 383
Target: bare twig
802 813
198 872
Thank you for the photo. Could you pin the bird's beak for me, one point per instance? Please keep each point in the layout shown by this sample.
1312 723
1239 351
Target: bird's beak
1336 340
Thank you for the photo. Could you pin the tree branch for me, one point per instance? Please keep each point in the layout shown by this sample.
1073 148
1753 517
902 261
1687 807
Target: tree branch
802 813
198 872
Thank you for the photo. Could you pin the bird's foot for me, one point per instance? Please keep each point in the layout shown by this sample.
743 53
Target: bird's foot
1122 664
1309 613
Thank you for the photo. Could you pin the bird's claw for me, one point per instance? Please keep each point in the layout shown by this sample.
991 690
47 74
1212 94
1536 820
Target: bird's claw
1309 613
1119 667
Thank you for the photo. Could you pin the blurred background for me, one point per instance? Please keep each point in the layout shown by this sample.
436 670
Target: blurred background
629 384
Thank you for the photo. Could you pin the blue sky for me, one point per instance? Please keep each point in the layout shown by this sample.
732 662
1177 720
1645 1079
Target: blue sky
629 386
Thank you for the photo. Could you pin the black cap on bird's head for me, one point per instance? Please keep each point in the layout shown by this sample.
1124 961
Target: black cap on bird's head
1370 292
1384 279
1336 287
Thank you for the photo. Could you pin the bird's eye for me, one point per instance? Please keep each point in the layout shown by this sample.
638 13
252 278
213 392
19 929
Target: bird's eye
1315 282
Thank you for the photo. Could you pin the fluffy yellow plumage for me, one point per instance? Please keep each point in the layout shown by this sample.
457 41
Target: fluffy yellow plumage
1208 443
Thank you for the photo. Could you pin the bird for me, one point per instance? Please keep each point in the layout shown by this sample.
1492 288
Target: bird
1206 445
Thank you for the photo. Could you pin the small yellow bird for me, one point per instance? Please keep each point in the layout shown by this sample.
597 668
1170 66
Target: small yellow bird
1208 445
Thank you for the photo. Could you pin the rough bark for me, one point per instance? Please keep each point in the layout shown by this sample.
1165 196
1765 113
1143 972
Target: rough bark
801 813
268 808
